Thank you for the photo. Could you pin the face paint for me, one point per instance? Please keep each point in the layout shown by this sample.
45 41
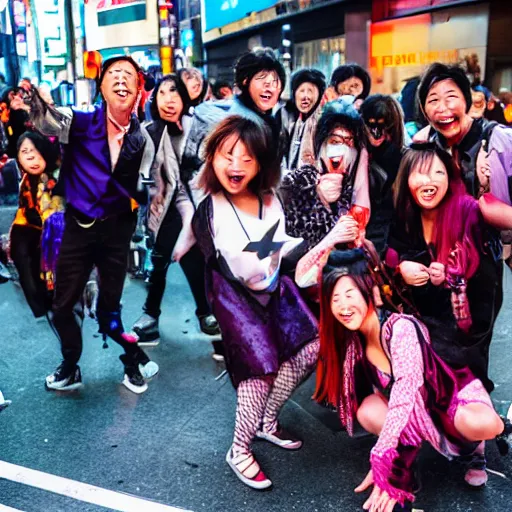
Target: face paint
338 158
376 129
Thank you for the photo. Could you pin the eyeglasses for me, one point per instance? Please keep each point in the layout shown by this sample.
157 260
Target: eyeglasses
348 140
269 79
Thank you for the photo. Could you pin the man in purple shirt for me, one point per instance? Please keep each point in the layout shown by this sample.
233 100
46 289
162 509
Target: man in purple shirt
103 150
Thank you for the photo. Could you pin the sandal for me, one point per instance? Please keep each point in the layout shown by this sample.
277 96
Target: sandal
248 470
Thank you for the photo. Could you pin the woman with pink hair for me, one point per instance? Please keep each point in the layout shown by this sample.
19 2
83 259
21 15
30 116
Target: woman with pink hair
442 249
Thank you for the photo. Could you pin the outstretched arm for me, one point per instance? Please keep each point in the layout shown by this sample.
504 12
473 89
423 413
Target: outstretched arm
495 212
407 363
52 121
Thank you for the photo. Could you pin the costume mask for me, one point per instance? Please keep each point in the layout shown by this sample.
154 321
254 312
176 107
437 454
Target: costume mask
376 127
338 158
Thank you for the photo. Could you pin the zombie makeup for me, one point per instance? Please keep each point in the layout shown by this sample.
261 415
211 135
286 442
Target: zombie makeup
429 185
352 86
338 152
377 130
306 97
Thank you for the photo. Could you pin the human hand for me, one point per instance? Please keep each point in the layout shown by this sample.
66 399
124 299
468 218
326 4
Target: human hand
186 240
414 274
329 95
329 188
345 231
437 274
483 168
379 500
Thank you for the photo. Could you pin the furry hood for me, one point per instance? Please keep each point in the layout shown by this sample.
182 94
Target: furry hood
339 113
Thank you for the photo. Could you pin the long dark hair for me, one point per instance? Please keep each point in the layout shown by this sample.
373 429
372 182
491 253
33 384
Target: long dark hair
49 150
257 138
182 91
364 267
380 106
457 223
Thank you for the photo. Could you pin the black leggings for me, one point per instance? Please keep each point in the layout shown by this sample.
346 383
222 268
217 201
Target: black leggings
192 264
26 255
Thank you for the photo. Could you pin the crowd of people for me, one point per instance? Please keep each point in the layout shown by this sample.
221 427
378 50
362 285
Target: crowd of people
322 233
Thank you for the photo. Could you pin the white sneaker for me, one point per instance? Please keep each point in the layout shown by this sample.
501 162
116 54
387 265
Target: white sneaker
3 402
149 369
134 387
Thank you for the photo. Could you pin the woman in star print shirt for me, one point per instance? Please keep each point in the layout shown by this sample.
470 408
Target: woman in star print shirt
270 336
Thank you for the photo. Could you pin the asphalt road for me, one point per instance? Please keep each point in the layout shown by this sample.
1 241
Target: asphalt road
168 445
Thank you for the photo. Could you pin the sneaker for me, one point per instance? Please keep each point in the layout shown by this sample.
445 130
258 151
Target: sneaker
280 438
406 507
3 402
476 477
504 440
209 325
146 328
147 368
248 470
62 380
133 379
218 351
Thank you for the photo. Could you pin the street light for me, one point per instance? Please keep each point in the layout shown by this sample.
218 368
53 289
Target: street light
168 26
286 53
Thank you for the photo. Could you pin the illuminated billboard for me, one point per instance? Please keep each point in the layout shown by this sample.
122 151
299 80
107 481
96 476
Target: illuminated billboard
120 23
112 12
222 12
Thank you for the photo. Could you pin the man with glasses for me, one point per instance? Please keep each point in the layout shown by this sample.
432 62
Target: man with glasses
103 151
333 194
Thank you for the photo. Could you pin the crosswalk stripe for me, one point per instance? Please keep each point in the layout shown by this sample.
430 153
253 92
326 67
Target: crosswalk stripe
4 508
80 491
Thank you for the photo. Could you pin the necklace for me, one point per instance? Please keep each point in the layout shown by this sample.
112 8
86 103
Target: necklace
260 213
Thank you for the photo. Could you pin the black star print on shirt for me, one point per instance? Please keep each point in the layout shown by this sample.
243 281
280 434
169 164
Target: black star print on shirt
266 246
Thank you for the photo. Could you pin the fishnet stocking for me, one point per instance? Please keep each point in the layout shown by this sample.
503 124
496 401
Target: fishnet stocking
290 375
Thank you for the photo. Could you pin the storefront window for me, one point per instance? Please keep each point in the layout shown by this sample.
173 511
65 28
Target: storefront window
401 49
323 54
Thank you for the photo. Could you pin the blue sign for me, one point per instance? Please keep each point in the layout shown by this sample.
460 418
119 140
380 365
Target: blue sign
187 38
221 12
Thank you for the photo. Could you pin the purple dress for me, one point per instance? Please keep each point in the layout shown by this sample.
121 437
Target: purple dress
260 329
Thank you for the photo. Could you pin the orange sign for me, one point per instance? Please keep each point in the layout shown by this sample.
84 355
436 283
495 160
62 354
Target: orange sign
415 59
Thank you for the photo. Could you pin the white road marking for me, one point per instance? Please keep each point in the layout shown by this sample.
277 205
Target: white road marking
3 508
80 491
